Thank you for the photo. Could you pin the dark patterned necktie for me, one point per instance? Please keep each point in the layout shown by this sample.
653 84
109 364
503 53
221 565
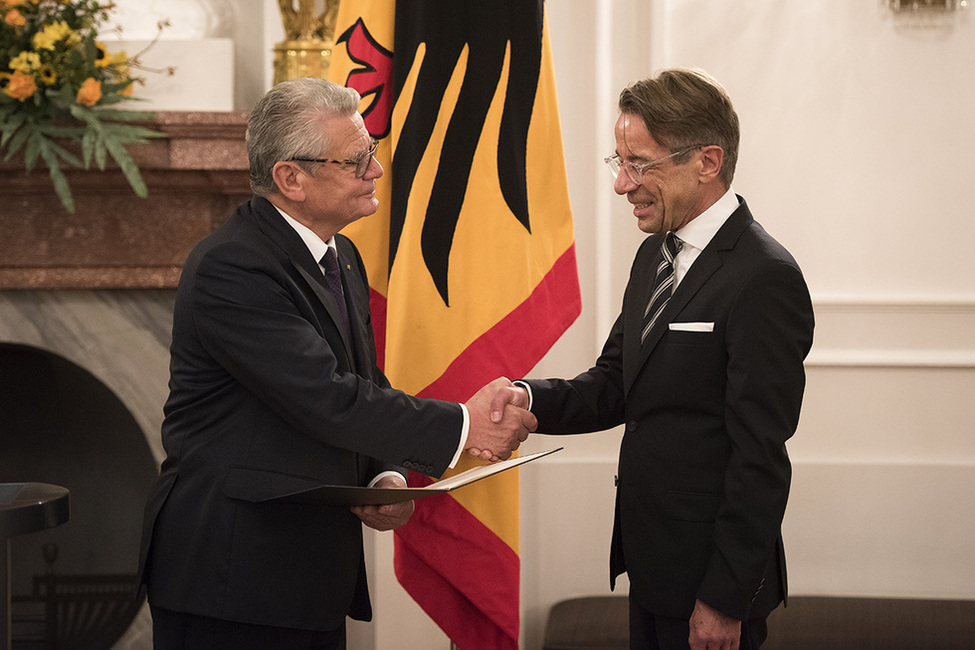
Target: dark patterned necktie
663 283
333 280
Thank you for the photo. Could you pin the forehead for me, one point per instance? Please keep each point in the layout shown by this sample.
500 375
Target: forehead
633 140
348 134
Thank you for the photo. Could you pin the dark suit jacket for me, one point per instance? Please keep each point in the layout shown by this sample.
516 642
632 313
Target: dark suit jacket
268 397
703 471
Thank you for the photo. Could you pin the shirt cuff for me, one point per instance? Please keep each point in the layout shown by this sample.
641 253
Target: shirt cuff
382 475
528 388
463 436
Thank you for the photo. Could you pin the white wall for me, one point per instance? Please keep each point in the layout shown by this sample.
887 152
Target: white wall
855 154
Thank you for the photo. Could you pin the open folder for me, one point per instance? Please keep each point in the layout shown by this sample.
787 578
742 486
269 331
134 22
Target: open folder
349 495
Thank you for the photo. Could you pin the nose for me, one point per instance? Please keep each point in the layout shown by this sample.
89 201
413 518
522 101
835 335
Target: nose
624 183
374 170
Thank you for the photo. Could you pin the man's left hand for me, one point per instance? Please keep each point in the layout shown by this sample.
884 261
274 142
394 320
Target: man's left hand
712 630
389 516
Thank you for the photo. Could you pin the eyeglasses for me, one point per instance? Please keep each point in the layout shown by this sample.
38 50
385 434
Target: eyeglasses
635 171
361 165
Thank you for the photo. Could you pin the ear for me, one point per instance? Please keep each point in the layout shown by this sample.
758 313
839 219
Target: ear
711 159
290 179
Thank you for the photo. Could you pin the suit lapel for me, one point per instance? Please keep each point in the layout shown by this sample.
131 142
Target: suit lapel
278 231
706 265
356 295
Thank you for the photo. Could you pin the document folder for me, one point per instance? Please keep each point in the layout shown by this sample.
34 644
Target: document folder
348 495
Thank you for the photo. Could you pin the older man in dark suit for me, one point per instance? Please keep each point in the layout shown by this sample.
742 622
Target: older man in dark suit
704 366
274 389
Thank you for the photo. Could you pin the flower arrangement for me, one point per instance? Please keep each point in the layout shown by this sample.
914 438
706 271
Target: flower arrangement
58 86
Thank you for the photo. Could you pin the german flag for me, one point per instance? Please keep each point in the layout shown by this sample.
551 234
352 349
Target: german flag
471 257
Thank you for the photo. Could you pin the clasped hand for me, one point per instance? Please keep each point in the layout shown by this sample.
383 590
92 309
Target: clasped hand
500 421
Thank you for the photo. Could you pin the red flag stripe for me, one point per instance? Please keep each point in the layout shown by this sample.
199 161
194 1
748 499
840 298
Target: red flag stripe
520 339
514 345
491 619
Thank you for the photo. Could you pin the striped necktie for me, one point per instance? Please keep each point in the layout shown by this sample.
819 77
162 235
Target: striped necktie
663 283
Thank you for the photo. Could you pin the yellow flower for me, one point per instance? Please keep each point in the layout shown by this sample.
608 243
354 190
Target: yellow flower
25 62
10 4
21 86
102 57
90 92
15 19
54 32
48 76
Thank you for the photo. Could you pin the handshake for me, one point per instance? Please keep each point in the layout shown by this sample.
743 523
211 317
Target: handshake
499 420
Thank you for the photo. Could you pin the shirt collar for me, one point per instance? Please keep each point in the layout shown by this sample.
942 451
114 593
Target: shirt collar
699 231
314 243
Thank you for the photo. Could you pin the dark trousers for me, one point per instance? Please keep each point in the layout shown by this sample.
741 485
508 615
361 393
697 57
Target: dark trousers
178 631
651 632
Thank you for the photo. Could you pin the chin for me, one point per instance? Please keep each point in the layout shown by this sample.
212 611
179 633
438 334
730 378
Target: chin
649 227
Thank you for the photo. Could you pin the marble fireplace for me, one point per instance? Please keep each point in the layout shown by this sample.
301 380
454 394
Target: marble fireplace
92 293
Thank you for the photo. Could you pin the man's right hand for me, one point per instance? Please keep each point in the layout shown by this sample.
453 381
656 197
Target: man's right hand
500 421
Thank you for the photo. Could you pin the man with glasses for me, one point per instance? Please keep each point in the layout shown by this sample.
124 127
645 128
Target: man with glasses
274 390
704 368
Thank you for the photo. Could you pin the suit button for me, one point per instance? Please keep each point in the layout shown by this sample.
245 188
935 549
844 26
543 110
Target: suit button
616 481
631 425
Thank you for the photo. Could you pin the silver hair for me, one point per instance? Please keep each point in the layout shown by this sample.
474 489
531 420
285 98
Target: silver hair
286 124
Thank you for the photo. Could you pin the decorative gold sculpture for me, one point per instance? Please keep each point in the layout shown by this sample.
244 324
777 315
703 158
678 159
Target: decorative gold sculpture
309 38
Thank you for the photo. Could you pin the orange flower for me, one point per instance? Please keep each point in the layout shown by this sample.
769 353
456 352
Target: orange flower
10 4
20 86
90 92
15 19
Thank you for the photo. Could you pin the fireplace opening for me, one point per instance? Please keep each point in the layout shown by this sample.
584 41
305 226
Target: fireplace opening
73 586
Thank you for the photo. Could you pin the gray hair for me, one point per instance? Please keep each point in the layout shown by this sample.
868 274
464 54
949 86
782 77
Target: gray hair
683 108
286 124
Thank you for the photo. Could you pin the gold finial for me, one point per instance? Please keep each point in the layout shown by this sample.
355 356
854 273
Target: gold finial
309 38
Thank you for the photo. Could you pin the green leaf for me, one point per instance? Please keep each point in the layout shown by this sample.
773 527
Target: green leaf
10 126
126 116
33 149
17 141
59 180
64 154
52 131
87 147
100 153
131 134
128 167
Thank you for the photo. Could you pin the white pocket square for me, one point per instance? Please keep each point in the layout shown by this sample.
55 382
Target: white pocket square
692 327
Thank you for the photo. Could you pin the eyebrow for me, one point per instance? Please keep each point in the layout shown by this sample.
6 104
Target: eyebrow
359 155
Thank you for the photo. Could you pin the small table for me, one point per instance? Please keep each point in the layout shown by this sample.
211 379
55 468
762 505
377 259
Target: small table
25 508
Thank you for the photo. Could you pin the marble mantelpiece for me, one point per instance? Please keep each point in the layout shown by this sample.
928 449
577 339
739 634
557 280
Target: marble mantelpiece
196 175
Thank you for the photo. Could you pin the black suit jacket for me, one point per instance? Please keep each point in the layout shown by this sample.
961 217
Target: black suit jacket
703 471
268 397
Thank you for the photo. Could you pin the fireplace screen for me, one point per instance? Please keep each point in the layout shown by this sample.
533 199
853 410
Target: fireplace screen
73 586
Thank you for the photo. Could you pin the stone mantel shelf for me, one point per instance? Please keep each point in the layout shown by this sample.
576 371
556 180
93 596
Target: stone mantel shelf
196 175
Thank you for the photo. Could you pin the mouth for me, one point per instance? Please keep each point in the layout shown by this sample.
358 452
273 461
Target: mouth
639 209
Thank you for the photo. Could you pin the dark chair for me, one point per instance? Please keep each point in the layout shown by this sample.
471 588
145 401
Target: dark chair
808 623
